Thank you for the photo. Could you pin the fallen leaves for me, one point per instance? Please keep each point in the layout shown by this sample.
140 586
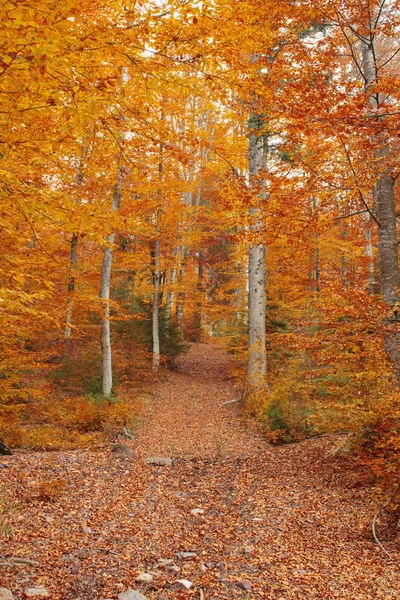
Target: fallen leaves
254 522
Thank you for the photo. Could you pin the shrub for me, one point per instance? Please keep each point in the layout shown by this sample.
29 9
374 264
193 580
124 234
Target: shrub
69 423
289 407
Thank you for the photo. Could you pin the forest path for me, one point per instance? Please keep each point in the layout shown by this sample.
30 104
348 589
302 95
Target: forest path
187 415
287 523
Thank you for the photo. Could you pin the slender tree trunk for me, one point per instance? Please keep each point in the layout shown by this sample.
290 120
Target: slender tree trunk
257 362
156 275
181 279
199 305
239 293
105 333
71 287
72 266
369 251
156 308
181 276
169 300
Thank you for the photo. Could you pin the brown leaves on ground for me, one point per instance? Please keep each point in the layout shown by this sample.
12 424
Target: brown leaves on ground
284 519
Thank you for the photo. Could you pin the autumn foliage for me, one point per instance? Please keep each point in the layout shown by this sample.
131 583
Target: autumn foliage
97 95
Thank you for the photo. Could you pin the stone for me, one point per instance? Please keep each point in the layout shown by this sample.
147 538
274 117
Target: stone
187 555
6 594
203 568
248 549
197 511
244 585
123 449
159 461
174 568
185 583
36 592
87 529
164 562
144 578
131 595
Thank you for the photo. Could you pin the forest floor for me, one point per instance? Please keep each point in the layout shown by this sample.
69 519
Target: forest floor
233 515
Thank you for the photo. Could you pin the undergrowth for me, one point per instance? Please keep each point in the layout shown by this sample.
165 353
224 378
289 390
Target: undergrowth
66 423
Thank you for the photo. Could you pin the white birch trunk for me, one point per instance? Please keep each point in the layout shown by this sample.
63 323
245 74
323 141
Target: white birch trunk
105 333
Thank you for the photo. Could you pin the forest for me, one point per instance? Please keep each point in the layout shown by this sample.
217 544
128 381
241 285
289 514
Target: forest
199 299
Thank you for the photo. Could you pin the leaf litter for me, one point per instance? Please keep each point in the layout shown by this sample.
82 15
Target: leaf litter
234 516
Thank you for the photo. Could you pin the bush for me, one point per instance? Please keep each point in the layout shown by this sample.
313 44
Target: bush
67 423
52 438
289 408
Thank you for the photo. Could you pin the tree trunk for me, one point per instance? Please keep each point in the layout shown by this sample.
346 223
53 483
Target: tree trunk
181 278
156 308
71 288
180 300
385 202
384 193
257 362
156 274
369 251
169 301
105 333
72 265
197 330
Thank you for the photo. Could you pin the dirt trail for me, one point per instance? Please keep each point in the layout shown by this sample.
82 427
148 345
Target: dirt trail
187 416
275 523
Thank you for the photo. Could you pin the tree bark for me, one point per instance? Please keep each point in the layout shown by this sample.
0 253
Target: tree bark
169 301
384 193
73 264
105 332
385 202
156 308
180 300
257 362
156 275
369 251
197 329
71 287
